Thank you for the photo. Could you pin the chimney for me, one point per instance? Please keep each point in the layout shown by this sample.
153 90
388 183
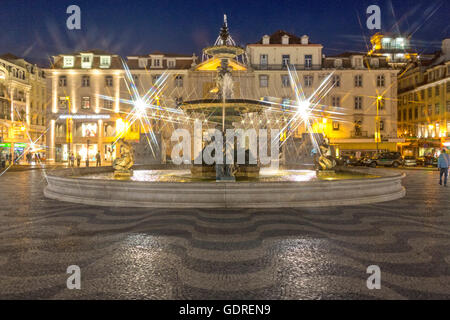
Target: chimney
266 39
305 39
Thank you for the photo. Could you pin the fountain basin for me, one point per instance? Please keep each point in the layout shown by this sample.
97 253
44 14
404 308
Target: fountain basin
74 185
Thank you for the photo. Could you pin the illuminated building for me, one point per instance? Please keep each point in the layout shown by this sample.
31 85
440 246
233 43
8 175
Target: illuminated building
23 98
81 120
424 103
396 48
79 80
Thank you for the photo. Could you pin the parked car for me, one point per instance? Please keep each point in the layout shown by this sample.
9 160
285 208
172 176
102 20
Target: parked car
369 161
349 161
391 159
409 161
427 161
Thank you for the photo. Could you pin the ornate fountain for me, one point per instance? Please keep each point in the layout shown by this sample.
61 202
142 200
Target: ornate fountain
244 186
223 107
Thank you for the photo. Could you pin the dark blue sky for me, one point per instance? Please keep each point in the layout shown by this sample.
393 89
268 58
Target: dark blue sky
36 29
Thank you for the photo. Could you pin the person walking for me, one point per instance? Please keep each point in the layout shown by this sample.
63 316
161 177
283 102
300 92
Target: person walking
72 160
98 157
78 160
443 163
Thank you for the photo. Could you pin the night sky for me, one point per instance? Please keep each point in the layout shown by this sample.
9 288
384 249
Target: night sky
36 29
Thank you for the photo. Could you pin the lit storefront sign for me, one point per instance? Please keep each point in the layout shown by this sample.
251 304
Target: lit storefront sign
16 145
84 116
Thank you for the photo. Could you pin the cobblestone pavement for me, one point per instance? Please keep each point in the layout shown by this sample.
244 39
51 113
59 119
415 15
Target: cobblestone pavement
319 253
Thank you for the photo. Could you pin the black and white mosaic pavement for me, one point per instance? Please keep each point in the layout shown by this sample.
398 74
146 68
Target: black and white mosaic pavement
319 253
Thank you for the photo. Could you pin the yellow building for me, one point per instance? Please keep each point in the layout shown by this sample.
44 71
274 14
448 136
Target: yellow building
23 99
424 104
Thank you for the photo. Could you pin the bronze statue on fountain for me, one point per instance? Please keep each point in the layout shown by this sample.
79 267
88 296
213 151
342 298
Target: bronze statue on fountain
326 160
122 164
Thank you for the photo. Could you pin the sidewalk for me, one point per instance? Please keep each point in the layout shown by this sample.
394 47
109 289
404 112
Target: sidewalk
25 167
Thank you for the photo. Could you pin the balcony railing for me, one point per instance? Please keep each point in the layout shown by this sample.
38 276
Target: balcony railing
284 67
359 134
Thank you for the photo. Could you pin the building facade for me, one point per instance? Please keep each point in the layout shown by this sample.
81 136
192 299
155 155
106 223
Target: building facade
424 104
83 122
23 104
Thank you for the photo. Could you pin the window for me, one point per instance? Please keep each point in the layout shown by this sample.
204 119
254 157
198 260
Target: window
171 64
142 62
335 125
85 81
285 80
69 62
156 62
358 81
88 129
285 60
404 114
436 90
422 111
410 114
63 102
399 115
448 84
62 81
336 101
374 63
338 63
430 92
179 81
85 102
380 80
308 80
263 60
437 108
308 61
105 61
430 110
263 81
416 113
109 81
358 103
155 78
358 62
107 103
448 107
381 125
86 61
336 81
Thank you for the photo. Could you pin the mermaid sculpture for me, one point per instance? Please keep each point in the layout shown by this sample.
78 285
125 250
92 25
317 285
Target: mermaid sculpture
122 165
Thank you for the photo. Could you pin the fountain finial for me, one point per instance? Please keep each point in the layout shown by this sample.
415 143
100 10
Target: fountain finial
224 34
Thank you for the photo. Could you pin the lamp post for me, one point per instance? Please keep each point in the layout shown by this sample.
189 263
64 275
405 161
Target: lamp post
377 122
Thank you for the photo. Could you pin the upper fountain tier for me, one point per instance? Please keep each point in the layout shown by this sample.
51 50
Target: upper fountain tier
224 47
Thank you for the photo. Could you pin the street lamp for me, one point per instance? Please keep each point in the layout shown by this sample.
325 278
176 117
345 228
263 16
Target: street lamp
377 121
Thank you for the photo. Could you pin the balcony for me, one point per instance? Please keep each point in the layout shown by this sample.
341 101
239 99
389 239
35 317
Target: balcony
284 67
359 134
